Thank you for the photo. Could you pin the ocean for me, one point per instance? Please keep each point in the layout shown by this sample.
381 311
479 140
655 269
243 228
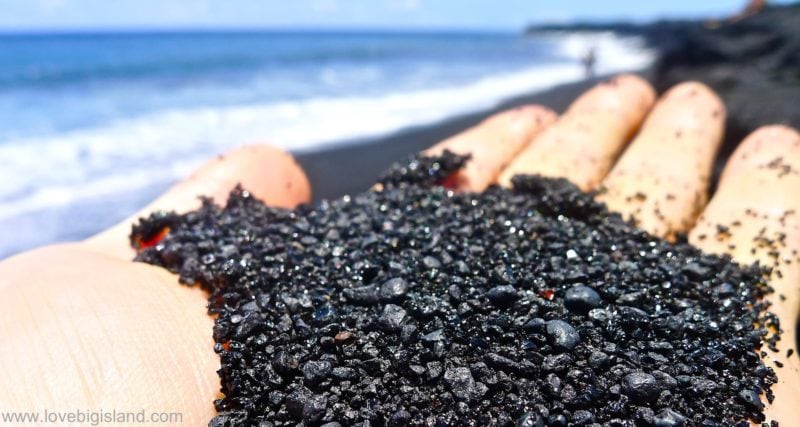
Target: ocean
95 125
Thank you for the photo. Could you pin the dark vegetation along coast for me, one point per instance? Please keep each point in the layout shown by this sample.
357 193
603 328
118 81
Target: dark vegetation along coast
414 305
753 64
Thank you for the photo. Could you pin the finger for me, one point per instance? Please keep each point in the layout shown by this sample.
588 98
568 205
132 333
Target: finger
583 144
493 143
662 179
270 174
755 216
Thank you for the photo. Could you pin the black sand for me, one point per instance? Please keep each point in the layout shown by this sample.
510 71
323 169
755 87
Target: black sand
417 306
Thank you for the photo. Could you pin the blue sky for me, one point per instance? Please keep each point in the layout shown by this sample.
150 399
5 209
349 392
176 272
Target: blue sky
35 15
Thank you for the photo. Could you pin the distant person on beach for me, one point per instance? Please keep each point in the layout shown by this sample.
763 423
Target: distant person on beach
588 62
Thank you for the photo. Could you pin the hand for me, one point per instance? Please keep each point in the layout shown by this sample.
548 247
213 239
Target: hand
81 327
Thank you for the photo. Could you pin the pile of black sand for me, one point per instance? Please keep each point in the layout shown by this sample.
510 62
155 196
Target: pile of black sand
415 305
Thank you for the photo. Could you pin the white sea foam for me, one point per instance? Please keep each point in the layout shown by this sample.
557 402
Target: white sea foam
43 173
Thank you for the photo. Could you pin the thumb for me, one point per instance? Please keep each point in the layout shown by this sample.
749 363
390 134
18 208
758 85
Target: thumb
268 173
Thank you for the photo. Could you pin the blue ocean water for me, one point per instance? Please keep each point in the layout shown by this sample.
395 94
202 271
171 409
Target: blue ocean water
58 83
86 117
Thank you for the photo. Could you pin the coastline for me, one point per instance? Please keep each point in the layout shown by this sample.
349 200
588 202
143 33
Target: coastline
337 168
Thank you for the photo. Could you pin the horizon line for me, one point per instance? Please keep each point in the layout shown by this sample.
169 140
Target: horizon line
253 29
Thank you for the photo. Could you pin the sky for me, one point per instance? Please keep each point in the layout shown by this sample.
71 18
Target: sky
44 15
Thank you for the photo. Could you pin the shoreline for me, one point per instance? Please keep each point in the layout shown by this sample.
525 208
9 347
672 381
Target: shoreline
337 168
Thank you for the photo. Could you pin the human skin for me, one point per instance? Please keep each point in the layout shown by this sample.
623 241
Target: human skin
83 327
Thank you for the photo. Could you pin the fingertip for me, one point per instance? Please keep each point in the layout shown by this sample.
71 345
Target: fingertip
690 108
620 92
641 84
662 179
526 121
267 172
494 142
583 143
522 118
697 92
771 144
